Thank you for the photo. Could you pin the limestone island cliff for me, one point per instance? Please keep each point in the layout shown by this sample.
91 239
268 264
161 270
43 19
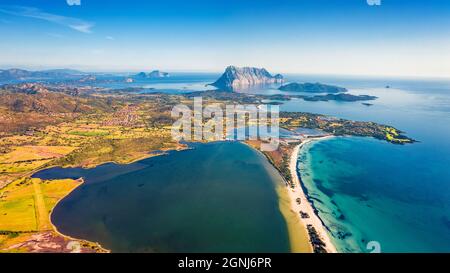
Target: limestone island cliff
238 77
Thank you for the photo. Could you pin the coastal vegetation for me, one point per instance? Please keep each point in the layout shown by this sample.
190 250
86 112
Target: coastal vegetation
278 158
342 127
316 241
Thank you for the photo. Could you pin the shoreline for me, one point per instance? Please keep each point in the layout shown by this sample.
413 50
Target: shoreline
55 229
81 182
299 239
297 193
48 239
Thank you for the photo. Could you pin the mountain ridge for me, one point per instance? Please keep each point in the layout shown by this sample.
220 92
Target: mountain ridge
17 74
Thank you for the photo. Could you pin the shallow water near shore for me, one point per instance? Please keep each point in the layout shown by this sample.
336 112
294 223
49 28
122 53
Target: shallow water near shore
218 197
364 192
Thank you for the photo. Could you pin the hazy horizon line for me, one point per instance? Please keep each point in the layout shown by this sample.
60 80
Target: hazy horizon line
206 71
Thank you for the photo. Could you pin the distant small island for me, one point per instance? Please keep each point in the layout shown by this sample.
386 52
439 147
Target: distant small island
235 77
312 88
340 97
155 74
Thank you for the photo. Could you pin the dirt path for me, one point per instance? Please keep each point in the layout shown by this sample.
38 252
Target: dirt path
41 211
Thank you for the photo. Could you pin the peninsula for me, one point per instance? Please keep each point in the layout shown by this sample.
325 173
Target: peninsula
339 97
22 74
312 88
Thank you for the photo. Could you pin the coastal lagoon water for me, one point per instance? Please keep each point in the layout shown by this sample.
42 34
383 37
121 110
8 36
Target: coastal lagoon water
217 197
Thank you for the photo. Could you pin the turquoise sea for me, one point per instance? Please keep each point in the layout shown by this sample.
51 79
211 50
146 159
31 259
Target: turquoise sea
369 190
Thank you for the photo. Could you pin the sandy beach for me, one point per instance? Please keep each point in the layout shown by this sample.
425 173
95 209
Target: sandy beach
305 206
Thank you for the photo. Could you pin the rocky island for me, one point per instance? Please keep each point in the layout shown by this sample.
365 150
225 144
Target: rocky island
155 74
235 77
312 88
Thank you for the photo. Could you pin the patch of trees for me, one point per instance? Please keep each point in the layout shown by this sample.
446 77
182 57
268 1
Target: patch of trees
317 243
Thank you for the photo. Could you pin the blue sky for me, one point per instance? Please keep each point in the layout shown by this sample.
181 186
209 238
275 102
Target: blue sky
399 37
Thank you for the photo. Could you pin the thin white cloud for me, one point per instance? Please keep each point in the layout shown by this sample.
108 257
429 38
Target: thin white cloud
110 38
30 12
73 2
85 28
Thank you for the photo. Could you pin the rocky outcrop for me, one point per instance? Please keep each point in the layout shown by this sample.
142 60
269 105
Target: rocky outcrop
158 74
236 77
155 74
140 75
